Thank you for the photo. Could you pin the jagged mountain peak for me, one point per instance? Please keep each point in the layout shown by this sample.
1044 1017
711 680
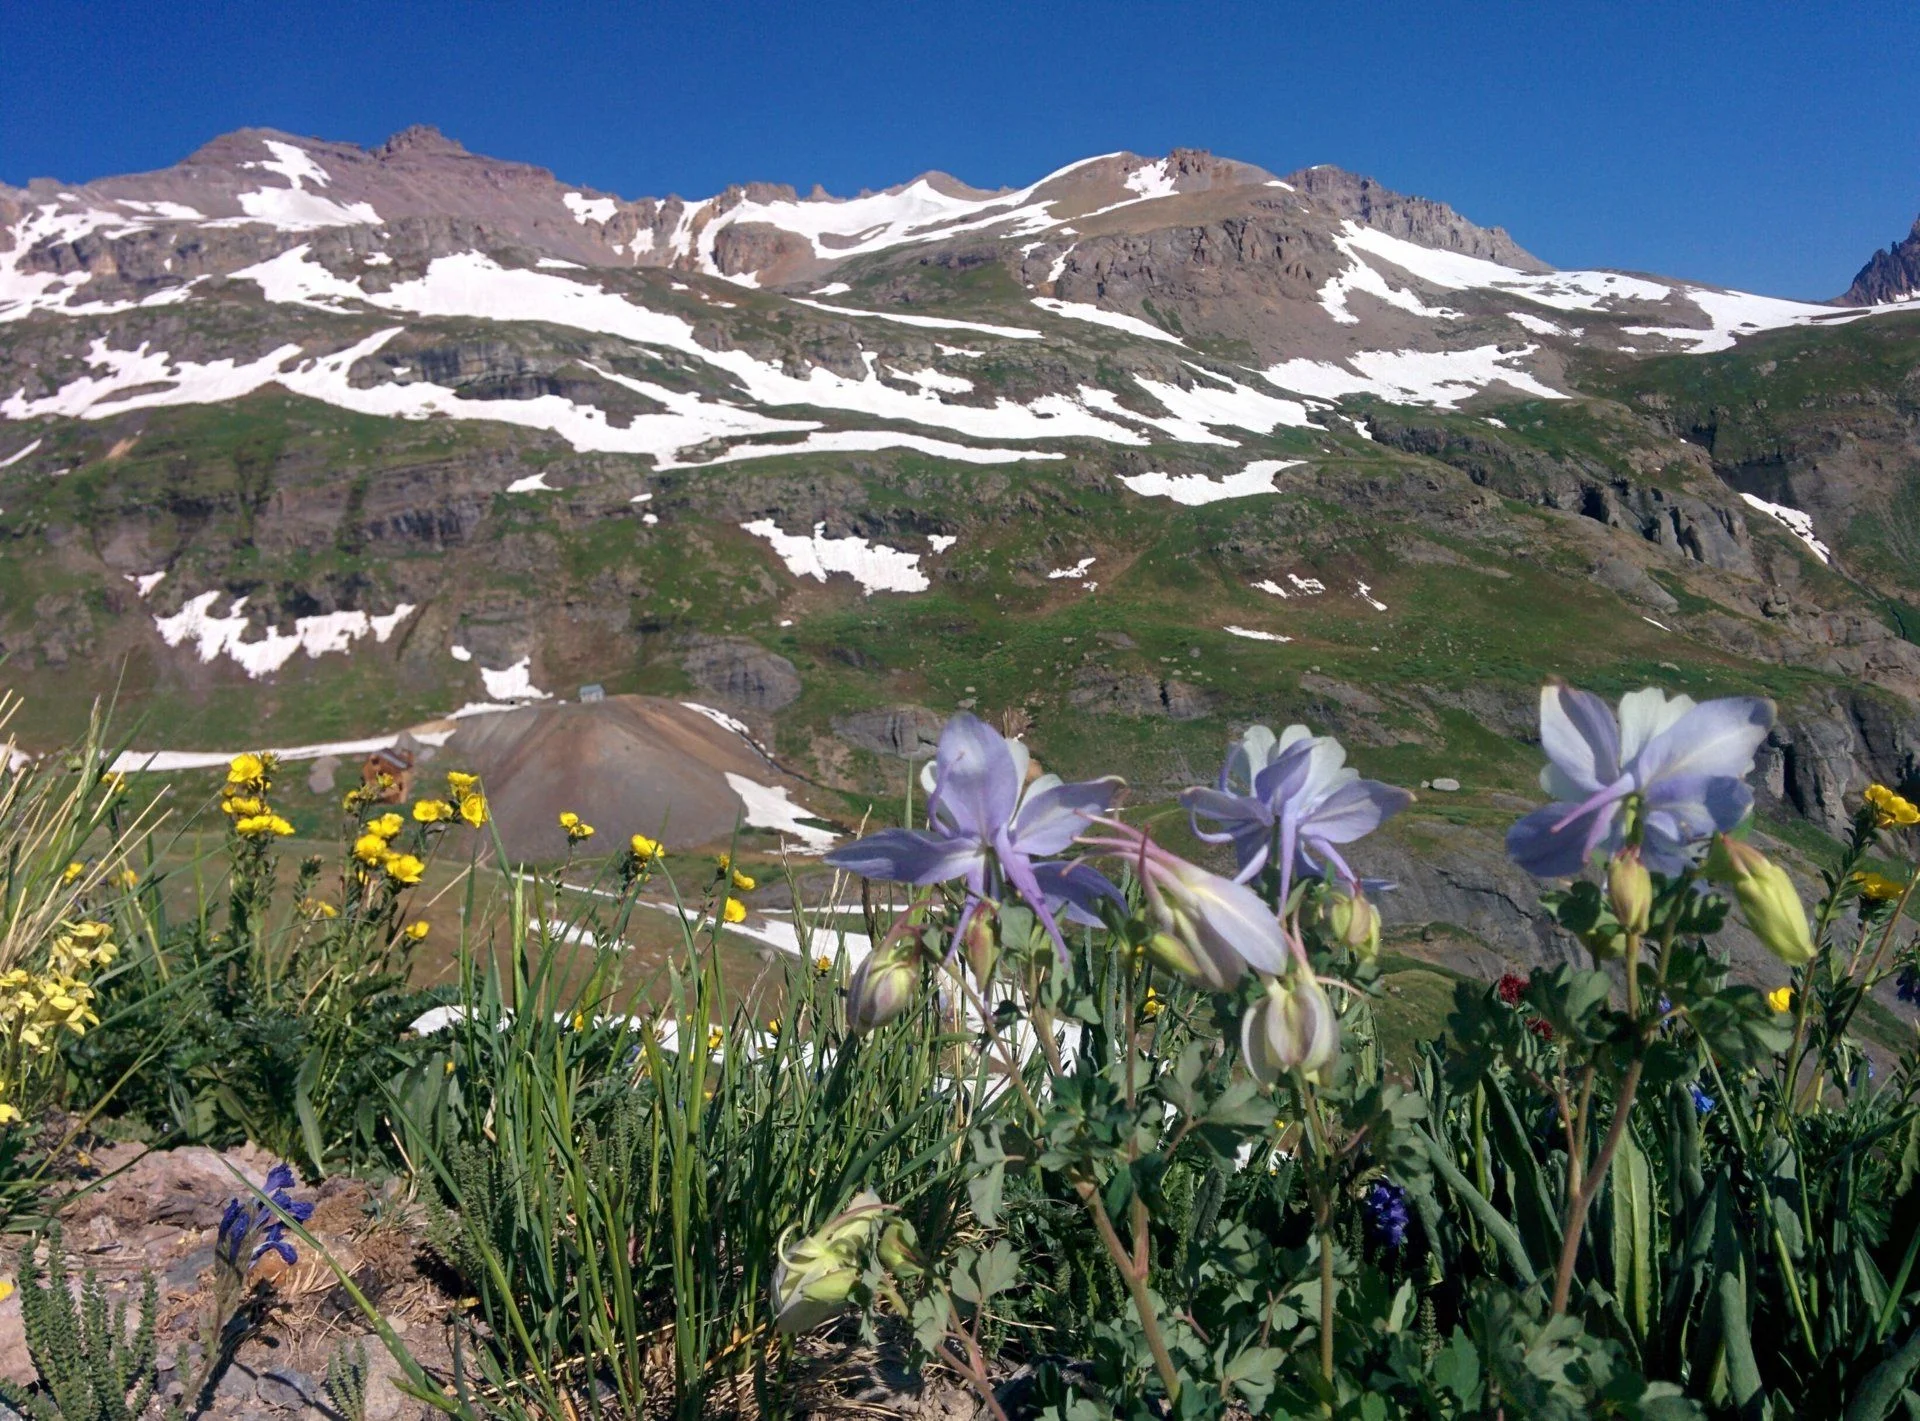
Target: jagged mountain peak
1889 277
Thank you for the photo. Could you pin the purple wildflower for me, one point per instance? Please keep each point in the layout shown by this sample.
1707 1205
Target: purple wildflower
1907 985
987 825
1289 800
257 1225
1702 1102
1686 763
1386 1214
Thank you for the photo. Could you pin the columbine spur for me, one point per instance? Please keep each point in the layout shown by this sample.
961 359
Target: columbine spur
1685 763
1291 799
988 826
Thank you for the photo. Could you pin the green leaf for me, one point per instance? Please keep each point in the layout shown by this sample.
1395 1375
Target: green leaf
1490 1218
1632 1187
1877 1394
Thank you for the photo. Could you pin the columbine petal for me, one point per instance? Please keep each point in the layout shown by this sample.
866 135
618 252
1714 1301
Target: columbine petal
976 784
1578 733
1357 807
1050 820
1549 844
1644 714
1714 738
909 856
1075 891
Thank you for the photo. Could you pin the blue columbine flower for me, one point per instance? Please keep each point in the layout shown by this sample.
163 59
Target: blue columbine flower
987 825
1291 799
255 1229
1687 762
1702 1102
1386 1214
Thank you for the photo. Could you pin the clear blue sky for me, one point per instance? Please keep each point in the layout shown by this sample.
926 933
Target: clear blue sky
1770 147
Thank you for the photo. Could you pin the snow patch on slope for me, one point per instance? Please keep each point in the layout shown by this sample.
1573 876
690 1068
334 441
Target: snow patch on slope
1100 316
213 636
1411 377
1195 490
875 566
1794 521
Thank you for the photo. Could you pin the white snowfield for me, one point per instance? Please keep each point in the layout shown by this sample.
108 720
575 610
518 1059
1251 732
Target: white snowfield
934 323
1195 490
213 636
1251 635
131 762
589 209
1412 377
769 807
513 683
1729 314
296 207
1100 316
1794 521
875 566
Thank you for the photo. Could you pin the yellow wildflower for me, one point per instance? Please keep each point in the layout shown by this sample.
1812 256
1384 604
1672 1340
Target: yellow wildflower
1891 811
319 908
576 827
128 878
72 871
1879 887
6 1289
473 809
417 929
735 911
579 1021
371 849
773 1026
404 868
646 849
386 826
460 784
113 782
1154 1004
259 825
246 770
240 806
742 882
715 1036
432 811
822 965
8 1115
1781 999
449 1066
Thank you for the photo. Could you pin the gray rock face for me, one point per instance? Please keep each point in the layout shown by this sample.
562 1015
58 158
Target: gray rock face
1817 762
736 672
1107 692
910 732
1418 219
1629 579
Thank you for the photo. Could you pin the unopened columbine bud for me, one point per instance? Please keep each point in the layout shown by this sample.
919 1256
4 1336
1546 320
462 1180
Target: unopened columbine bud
813 1278
981 942
1355 923
882 986
1289 1027
1630 891
897 1251
1768 900
1213 929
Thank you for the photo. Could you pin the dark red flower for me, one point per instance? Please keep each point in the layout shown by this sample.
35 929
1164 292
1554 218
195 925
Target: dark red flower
1511 989
1540 1028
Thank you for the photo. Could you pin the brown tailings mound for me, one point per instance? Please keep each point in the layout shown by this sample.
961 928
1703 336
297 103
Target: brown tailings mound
627 765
